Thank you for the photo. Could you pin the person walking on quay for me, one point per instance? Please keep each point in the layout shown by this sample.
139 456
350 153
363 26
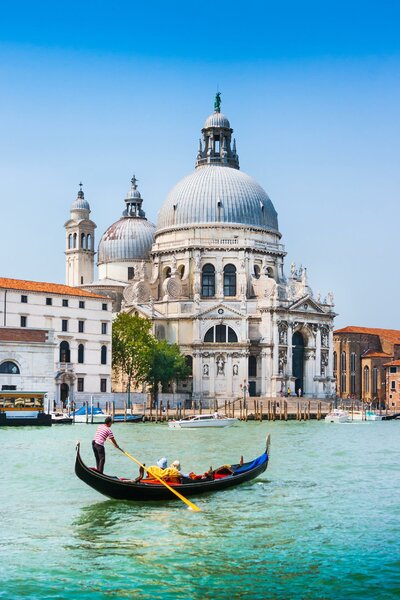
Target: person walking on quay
102 433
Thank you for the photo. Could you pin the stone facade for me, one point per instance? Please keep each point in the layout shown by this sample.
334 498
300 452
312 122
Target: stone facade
360 354
393 385
213 281
58 337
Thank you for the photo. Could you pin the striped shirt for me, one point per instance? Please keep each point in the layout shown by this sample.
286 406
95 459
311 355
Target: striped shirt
102 433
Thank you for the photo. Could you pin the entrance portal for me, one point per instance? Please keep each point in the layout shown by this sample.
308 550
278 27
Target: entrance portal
64 392
298 361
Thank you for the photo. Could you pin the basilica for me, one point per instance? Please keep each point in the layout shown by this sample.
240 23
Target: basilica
210 276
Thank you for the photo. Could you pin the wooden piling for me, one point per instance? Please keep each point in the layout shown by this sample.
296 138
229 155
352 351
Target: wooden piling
125 411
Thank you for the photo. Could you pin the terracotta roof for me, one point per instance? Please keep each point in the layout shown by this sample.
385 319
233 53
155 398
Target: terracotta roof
394 363
391 335
48 288
375 354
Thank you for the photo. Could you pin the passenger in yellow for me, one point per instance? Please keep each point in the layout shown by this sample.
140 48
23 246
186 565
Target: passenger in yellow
164 472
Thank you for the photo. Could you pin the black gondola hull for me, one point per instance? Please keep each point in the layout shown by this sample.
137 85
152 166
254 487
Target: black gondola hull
118 489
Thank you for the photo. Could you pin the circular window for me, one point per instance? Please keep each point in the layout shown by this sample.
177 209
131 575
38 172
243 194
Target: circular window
220 311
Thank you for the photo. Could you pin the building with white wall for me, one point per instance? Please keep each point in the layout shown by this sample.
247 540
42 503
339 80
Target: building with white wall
54 338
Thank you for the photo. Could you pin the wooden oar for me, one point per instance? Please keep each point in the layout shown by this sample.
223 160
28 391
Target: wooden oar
185 500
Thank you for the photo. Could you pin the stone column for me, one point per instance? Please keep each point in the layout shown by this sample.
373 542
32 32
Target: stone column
229 375
197 374
213 373
289 364
318 352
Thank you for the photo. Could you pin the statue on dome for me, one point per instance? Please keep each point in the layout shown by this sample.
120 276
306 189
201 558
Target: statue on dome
217 103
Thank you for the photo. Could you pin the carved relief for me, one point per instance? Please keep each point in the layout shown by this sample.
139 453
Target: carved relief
205 370
282 360
324 362
324 337
220 361
282 329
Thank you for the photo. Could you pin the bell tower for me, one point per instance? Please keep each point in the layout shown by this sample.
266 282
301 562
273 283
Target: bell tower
79 247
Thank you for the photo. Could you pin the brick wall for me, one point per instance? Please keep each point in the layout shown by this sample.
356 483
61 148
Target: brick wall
14 334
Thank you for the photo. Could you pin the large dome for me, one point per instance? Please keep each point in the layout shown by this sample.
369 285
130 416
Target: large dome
217 194
128 239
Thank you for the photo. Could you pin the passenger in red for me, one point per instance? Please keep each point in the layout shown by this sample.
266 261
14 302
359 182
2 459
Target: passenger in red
102 433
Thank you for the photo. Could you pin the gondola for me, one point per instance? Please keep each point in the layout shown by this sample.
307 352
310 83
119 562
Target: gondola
122 489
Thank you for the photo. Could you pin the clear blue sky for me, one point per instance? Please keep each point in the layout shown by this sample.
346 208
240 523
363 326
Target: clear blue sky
97 91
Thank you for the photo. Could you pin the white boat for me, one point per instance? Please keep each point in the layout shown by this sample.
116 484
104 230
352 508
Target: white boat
367 415
337 415
79 416
196 421
370 415
61 418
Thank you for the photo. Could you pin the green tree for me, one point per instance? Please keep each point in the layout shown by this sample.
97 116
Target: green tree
167 364
132 345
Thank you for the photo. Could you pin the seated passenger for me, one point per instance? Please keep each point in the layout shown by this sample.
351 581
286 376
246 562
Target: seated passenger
158 468
177 465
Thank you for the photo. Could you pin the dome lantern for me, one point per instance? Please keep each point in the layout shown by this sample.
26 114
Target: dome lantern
217 136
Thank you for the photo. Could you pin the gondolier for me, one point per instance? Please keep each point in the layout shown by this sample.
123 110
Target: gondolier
103 432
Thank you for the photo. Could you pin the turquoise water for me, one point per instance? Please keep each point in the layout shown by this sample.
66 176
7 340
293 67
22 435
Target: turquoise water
322 522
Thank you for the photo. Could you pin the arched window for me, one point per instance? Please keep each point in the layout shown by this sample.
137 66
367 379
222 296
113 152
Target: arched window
229 280
375 381
181 271
256 273
104 355
89 241
269 271
208 281
366 380
334 362
65 355
167 273
220 334
252 366
81 353
74 240
70 240
9 368
83 241
343 361
353 362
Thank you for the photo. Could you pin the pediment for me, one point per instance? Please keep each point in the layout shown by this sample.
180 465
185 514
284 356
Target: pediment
220 311
306 305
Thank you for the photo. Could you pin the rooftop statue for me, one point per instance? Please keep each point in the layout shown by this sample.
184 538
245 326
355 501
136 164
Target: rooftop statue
217 103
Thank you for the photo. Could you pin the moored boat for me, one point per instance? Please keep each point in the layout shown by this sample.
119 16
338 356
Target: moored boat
89 414
127 418
23 408
123 489
196 421
60 418
337 415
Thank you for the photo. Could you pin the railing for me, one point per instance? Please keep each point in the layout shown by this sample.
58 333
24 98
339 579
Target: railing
65 366
236 241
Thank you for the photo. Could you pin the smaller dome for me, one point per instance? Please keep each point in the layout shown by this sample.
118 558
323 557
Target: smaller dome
128 239
80 203
217 119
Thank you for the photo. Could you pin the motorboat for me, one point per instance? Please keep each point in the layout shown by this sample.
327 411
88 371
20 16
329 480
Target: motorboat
195 421
337 415
364 415
127 418
90 414
370 415
60 418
